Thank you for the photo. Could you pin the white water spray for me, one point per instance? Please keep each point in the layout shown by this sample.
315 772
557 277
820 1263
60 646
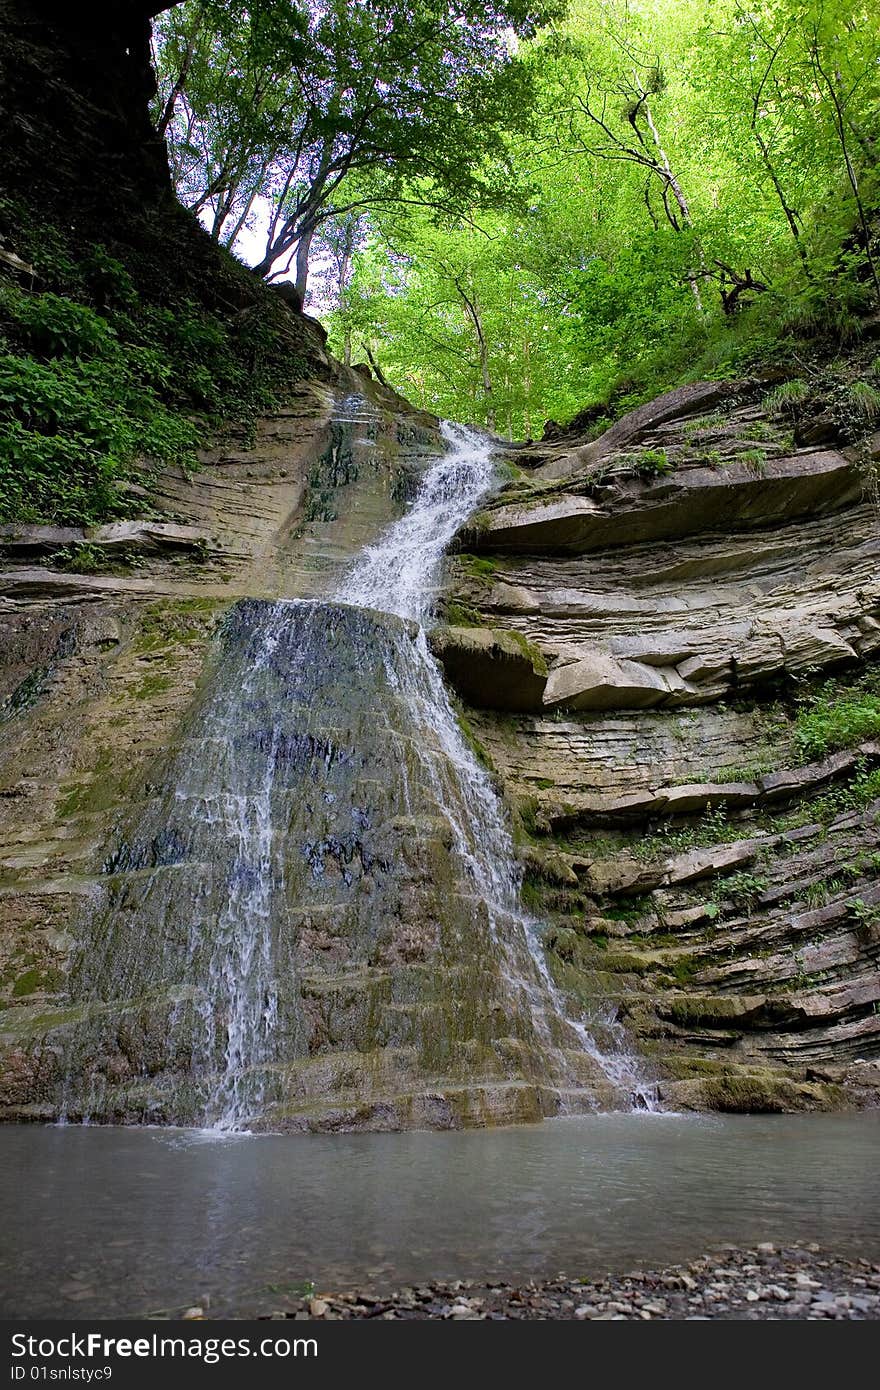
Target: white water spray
399 574
266 789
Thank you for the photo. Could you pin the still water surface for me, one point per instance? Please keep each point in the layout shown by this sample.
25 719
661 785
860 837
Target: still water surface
114 1222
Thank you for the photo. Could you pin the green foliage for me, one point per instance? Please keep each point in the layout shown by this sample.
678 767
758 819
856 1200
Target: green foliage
786 397
711 458
682 968
754 459
837 717
713 828
652 463
279 102
100 385
628 910
705 424
51 326
865 400
865 914
744 772
855 795
83 559
682 146
479 566
742 890
458 614
79 418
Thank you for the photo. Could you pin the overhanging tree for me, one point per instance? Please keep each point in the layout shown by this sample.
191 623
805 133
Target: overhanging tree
332 107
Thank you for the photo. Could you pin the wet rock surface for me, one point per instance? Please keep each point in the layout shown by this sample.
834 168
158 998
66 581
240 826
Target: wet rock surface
107 637
280 893
698 877
762 1284
691 578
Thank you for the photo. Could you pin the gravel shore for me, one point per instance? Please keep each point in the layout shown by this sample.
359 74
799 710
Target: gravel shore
763 1283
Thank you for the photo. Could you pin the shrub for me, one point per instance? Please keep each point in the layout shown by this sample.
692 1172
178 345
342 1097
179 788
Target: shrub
103 379
52 326
832 720
653 463
865 400
74 431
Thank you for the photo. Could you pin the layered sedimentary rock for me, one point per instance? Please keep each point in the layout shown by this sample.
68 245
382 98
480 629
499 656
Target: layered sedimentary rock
119 867
281 935
100 668
237 875
634 623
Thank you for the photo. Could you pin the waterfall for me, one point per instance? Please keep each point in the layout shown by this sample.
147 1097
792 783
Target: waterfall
398 574
275 913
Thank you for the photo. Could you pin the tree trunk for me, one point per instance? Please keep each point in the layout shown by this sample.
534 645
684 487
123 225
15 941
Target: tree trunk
232 236
487 383
472 313
672 183
189 53
840 127
221 212
527 387
780 194
377 370
303 248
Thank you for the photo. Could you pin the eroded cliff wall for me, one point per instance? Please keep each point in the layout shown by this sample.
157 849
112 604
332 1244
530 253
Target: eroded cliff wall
667 638
634 626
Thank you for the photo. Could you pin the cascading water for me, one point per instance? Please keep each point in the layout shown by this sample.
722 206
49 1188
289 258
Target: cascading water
398 574
279 911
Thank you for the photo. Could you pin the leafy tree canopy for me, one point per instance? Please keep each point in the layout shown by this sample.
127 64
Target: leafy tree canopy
698 188
513 209
314 110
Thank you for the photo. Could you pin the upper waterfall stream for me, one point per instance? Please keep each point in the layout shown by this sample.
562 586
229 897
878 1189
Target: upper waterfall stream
327 889
399 574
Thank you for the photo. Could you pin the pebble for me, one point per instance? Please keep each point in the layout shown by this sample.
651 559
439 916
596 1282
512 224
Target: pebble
766 1282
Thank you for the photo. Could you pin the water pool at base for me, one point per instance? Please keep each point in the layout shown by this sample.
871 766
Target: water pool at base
125 1222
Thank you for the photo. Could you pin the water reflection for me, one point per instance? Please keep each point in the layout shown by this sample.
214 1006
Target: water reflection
114 1222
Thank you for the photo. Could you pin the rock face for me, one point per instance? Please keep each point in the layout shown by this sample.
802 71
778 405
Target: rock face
691 866
627 617
102 679
739 495
85 81
121 853
486 666
290 857
129 811
686 587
